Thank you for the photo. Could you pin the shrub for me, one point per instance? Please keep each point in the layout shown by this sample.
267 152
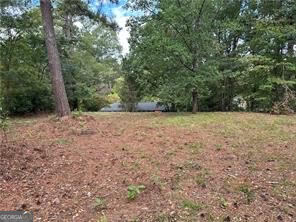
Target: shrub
94 103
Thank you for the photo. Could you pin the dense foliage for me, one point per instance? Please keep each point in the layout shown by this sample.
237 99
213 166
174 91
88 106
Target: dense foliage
237 54
206 55
88 48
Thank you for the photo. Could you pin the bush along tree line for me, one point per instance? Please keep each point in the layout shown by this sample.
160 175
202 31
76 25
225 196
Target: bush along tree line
214 55
201 55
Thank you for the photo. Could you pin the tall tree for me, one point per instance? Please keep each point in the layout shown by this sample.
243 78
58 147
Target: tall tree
175 42
60 96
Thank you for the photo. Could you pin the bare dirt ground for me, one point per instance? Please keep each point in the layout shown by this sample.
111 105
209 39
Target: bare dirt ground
204 167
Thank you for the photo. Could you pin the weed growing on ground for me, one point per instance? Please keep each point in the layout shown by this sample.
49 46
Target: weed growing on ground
191 205
103 219
157 181
63 141
248 192
201 178
223 203
133 191
100 203
196 147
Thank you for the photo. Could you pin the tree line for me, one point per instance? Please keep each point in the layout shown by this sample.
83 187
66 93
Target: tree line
214 55
190 55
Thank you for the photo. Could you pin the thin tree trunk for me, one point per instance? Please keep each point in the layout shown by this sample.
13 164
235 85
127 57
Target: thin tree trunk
290 48
60 96
194 101
173 108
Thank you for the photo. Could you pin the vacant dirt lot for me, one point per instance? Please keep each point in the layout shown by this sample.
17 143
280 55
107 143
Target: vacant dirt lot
204 167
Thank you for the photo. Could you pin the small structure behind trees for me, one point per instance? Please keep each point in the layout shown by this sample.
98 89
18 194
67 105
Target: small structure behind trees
139 107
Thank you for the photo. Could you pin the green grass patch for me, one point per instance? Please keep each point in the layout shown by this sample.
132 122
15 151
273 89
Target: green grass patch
248 192
191 205
63 141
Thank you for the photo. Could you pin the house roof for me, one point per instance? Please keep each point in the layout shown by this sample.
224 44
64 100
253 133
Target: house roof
114 107
140 107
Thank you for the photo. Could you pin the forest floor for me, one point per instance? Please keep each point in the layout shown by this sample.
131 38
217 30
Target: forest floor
183 167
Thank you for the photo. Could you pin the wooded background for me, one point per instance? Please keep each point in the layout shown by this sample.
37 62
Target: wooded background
190 55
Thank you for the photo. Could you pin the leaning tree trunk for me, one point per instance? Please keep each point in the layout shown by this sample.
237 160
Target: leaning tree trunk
194 101
60 96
